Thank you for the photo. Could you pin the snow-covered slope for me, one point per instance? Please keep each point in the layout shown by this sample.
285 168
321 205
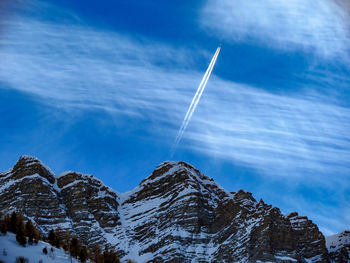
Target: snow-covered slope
177 214
10 250
339 247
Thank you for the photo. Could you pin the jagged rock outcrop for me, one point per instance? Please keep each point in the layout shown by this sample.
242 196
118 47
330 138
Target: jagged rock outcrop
91 206
30 187
339 247
176 214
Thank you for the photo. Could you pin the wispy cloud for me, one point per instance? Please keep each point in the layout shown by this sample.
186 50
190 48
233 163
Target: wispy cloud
281 135
75 66
315 25
71 66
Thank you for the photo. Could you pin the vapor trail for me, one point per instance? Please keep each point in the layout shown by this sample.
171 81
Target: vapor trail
194 102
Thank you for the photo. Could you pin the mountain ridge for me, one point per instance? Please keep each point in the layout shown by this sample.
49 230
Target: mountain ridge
176 214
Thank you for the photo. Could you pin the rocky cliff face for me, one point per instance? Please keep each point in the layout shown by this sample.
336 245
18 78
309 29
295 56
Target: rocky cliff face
176 214
339 247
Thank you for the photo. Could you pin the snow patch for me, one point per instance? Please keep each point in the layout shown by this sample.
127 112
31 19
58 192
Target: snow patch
335 242
33 253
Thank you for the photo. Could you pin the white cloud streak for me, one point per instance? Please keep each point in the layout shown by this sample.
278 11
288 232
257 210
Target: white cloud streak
315 25
81 68
195 101
74 66
291 136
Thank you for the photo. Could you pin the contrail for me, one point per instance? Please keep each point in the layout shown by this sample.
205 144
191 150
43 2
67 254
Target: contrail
195 101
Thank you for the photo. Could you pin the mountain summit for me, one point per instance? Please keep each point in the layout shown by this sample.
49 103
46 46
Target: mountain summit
177 214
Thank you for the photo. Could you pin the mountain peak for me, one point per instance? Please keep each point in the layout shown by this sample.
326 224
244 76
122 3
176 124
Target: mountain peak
175 163
167 165
29 158
176 170
29 165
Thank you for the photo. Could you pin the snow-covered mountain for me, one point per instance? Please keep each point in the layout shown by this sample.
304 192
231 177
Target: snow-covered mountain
176 214
10 250
339 247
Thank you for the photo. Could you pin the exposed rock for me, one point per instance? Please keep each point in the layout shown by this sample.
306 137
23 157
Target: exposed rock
28 165
91 206
176 214
29 187
310 239
339 247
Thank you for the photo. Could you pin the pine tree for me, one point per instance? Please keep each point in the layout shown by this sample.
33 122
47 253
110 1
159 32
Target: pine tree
58 237
13 223
74 247
97 252
36 235
110 256
65 237
21 239
83 254
8 222
20 221
29 231
52 237
3 227
45 250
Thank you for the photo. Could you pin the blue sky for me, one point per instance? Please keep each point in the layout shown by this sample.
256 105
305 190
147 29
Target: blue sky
102 87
